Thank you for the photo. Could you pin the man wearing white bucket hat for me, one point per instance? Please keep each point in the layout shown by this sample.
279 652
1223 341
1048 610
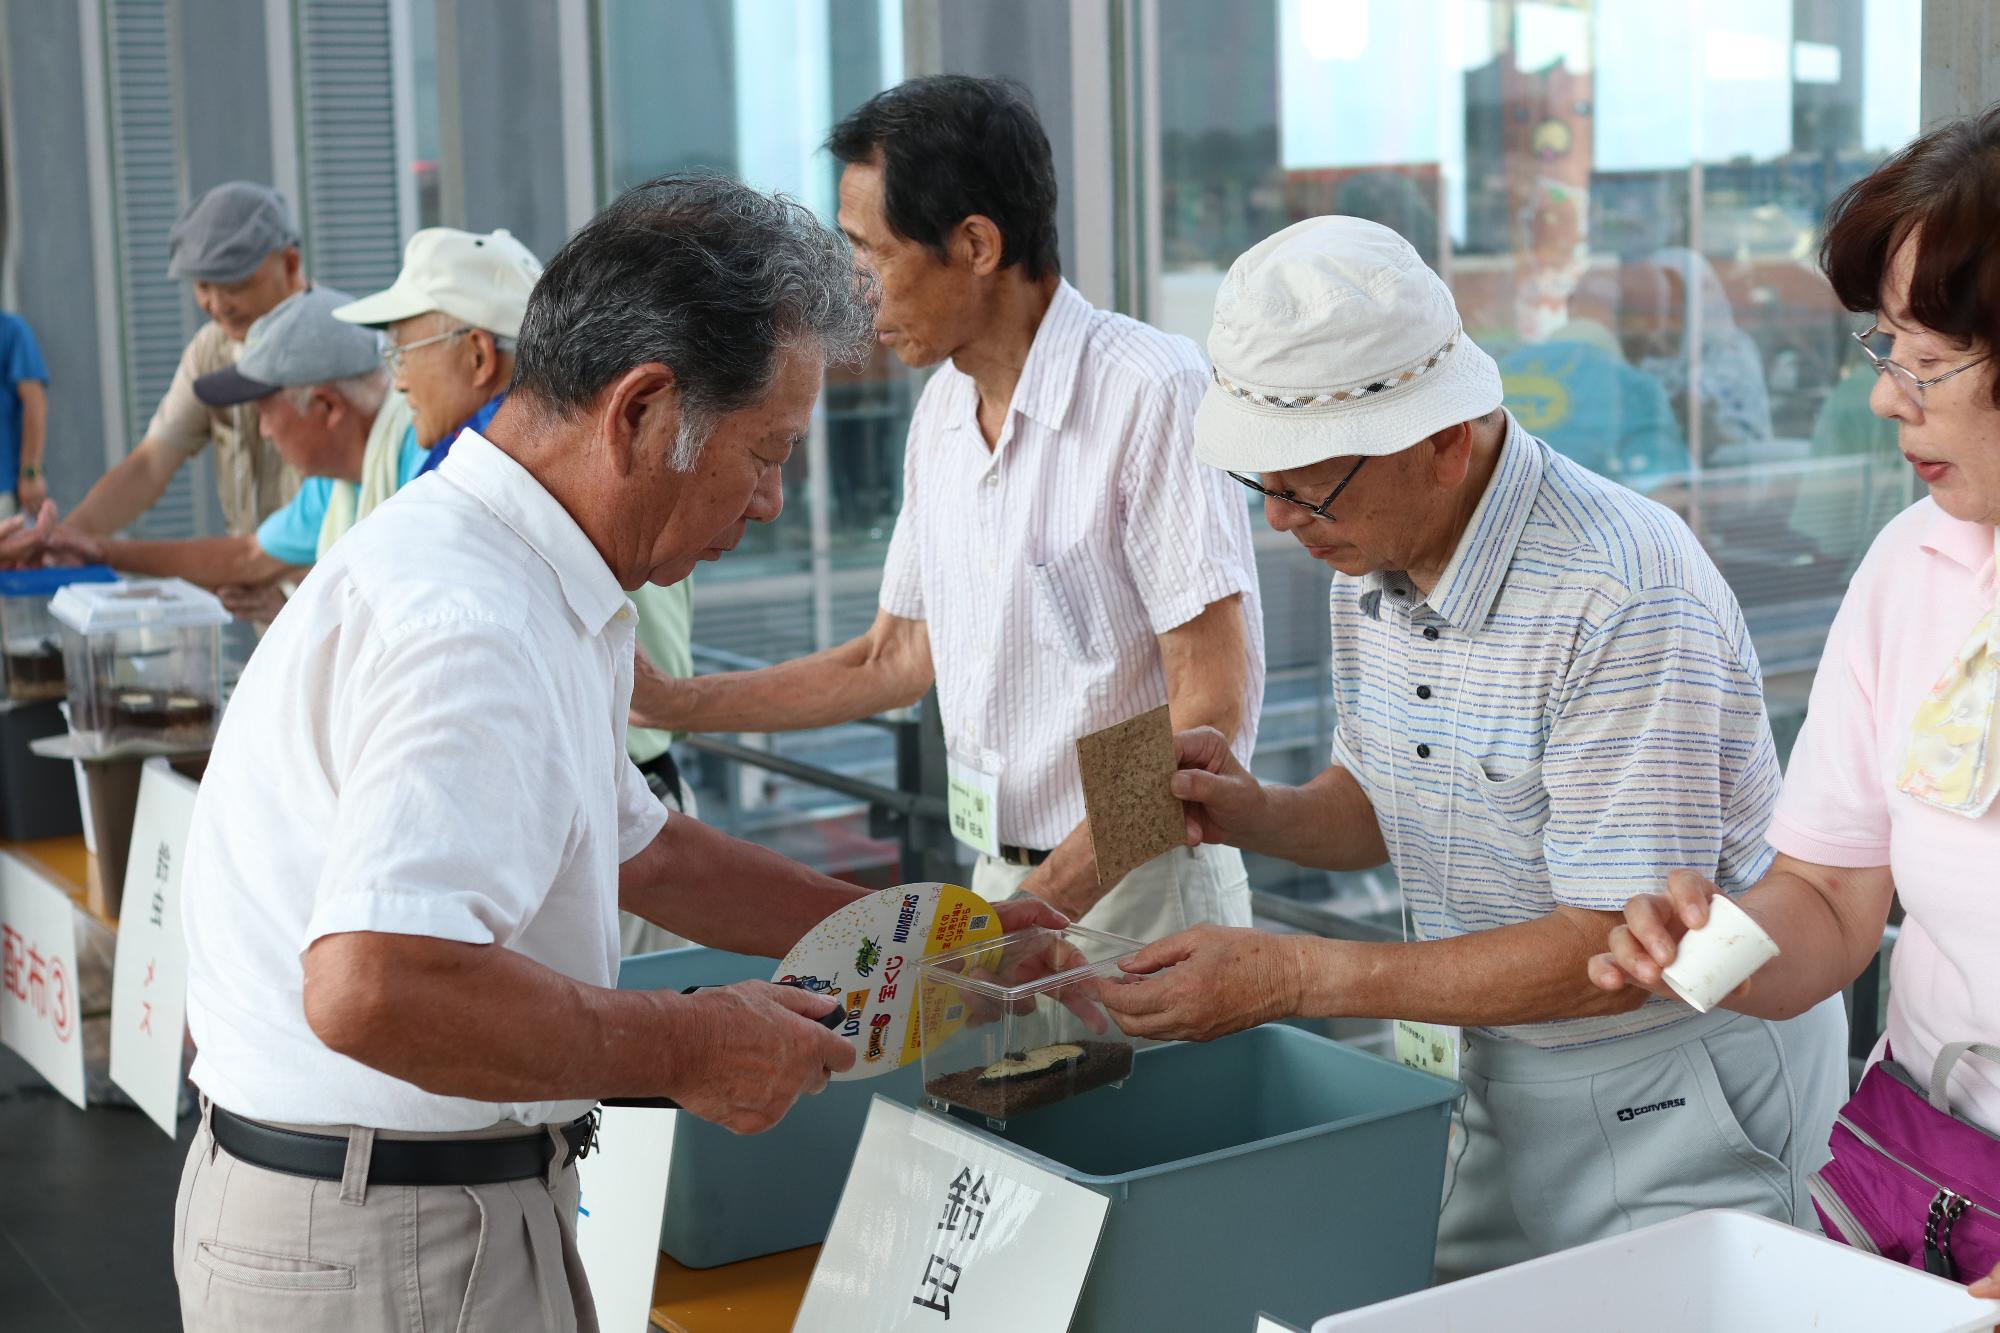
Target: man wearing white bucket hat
1545 699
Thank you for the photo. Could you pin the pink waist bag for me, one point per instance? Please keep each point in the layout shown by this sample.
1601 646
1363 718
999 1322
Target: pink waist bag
1910 1180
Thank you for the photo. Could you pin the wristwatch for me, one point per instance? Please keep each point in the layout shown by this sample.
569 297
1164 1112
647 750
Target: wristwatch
31 472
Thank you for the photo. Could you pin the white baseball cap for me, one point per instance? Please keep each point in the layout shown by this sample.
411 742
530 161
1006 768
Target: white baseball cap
1333 340
480 278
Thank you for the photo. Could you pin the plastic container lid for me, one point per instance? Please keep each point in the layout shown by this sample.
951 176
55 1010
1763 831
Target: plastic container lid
1030 962
48 582
104 608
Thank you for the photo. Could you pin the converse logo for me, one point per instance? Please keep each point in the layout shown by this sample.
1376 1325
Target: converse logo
1634 1112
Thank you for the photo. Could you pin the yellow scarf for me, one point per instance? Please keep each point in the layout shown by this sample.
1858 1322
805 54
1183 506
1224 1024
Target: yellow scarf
347 503
1953 760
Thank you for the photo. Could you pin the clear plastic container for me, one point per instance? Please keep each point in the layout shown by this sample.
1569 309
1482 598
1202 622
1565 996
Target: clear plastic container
30 638
143 660
1015 1024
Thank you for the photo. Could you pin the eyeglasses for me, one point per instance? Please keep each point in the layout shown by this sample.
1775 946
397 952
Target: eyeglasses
1319 510
1907 384
394 353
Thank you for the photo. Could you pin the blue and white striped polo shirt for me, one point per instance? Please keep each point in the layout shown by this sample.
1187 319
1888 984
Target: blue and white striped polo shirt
1574 711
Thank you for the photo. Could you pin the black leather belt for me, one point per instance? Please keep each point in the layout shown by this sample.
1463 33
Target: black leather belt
398 1161
1022 856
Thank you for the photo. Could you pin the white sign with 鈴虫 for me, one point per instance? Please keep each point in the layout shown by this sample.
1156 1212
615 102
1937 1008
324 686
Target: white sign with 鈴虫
624 1181
149 977
40 1004
940 1223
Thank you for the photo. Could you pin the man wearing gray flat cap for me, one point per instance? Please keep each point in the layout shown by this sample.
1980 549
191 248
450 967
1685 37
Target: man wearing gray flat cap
239 247
1545 698
321 394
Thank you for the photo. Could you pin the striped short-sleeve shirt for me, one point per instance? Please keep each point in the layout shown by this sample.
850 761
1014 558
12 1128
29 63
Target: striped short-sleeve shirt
1046 567
1574 711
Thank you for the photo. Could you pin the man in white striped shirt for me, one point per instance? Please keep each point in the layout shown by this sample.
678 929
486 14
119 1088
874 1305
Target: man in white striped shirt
1061 562
1545 699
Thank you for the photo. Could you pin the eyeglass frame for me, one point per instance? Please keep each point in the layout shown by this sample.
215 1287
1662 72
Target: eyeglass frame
394 352
1319 510
1884 366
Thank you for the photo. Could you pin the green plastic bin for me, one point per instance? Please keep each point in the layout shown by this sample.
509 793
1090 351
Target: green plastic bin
736 1196
1272 1170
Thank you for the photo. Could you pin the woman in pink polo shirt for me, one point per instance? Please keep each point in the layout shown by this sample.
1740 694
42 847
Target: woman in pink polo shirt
1891 787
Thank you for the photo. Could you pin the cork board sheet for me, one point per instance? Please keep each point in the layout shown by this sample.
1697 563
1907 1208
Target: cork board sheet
1128 796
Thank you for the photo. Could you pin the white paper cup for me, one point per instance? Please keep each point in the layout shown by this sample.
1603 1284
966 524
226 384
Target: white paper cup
1720 956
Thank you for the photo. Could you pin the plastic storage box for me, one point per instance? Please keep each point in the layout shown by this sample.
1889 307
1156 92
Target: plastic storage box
1016 1024
143 660
1271 1170
735 1196
30 638
1719 1271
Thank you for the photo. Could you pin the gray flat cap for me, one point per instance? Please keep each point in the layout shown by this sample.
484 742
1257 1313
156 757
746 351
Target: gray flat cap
298 343
225 234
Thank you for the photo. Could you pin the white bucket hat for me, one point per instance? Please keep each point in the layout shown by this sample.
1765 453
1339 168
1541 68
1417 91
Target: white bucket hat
479 278
1333 340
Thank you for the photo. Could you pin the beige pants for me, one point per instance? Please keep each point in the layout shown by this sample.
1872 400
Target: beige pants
257 1251
1167 894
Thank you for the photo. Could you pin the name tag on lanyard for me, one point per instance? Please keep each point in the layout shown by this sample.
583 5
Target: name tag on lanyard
1433 1048
973 797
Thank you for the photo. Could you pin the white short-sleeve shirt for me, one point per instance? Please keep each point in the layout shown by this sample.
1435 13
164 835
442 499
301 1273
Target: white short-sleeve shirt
1046 567
430 741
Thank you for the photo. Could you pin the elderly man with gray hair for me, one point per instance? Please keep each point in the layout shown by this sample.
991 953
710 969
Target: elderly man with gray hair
419 823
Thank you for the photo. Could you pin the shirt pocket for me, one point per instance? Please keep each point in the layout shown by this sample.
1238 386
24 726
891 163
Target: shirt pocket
1510 812
1069 603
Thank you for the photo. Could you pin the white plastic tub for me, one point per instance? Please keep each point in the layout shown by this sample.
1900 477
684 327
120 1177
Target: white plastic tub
1719 1271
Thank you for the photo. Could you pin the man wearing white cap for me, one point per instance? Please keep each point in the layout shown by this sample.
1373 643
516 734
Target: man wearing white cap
1545 699
451 317
238 247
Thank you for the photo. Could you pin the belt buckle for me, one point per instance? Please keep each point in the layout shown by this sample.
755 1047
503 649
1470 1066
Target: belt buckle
579 1151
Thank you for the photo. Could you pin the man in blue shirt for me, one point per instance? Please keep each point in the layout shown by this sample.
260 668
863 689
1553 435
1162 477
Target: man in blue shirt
24 410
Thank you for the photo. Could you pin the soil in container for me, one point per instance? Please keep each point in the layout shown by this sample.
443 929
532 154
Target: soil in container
1012 1094
35 673
161 711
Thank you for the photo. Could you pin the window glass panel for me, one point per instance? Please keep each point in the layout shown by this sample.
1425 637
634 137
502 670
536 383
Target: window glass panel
1626 200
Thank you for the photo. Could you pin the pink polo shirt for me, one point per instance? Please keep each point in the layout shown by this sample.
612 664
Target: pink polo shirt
1927 580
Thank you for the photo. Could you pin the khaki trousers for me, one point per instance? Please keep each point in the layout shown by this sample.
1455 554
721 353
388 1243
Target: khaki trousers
258 1251
1175 890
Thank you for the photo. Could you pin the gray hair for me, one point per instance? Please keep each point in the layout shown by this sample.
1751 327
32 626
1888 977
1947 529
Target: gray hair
703 275
364 392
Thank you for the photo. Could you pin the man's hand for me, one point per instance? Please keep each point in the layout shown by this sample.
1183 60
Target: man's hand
656 696
260 603
1988 1287
1645 946
1207 982
1025 913
22 537
1224 803
758 1048
65 545
1067 880
31 494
